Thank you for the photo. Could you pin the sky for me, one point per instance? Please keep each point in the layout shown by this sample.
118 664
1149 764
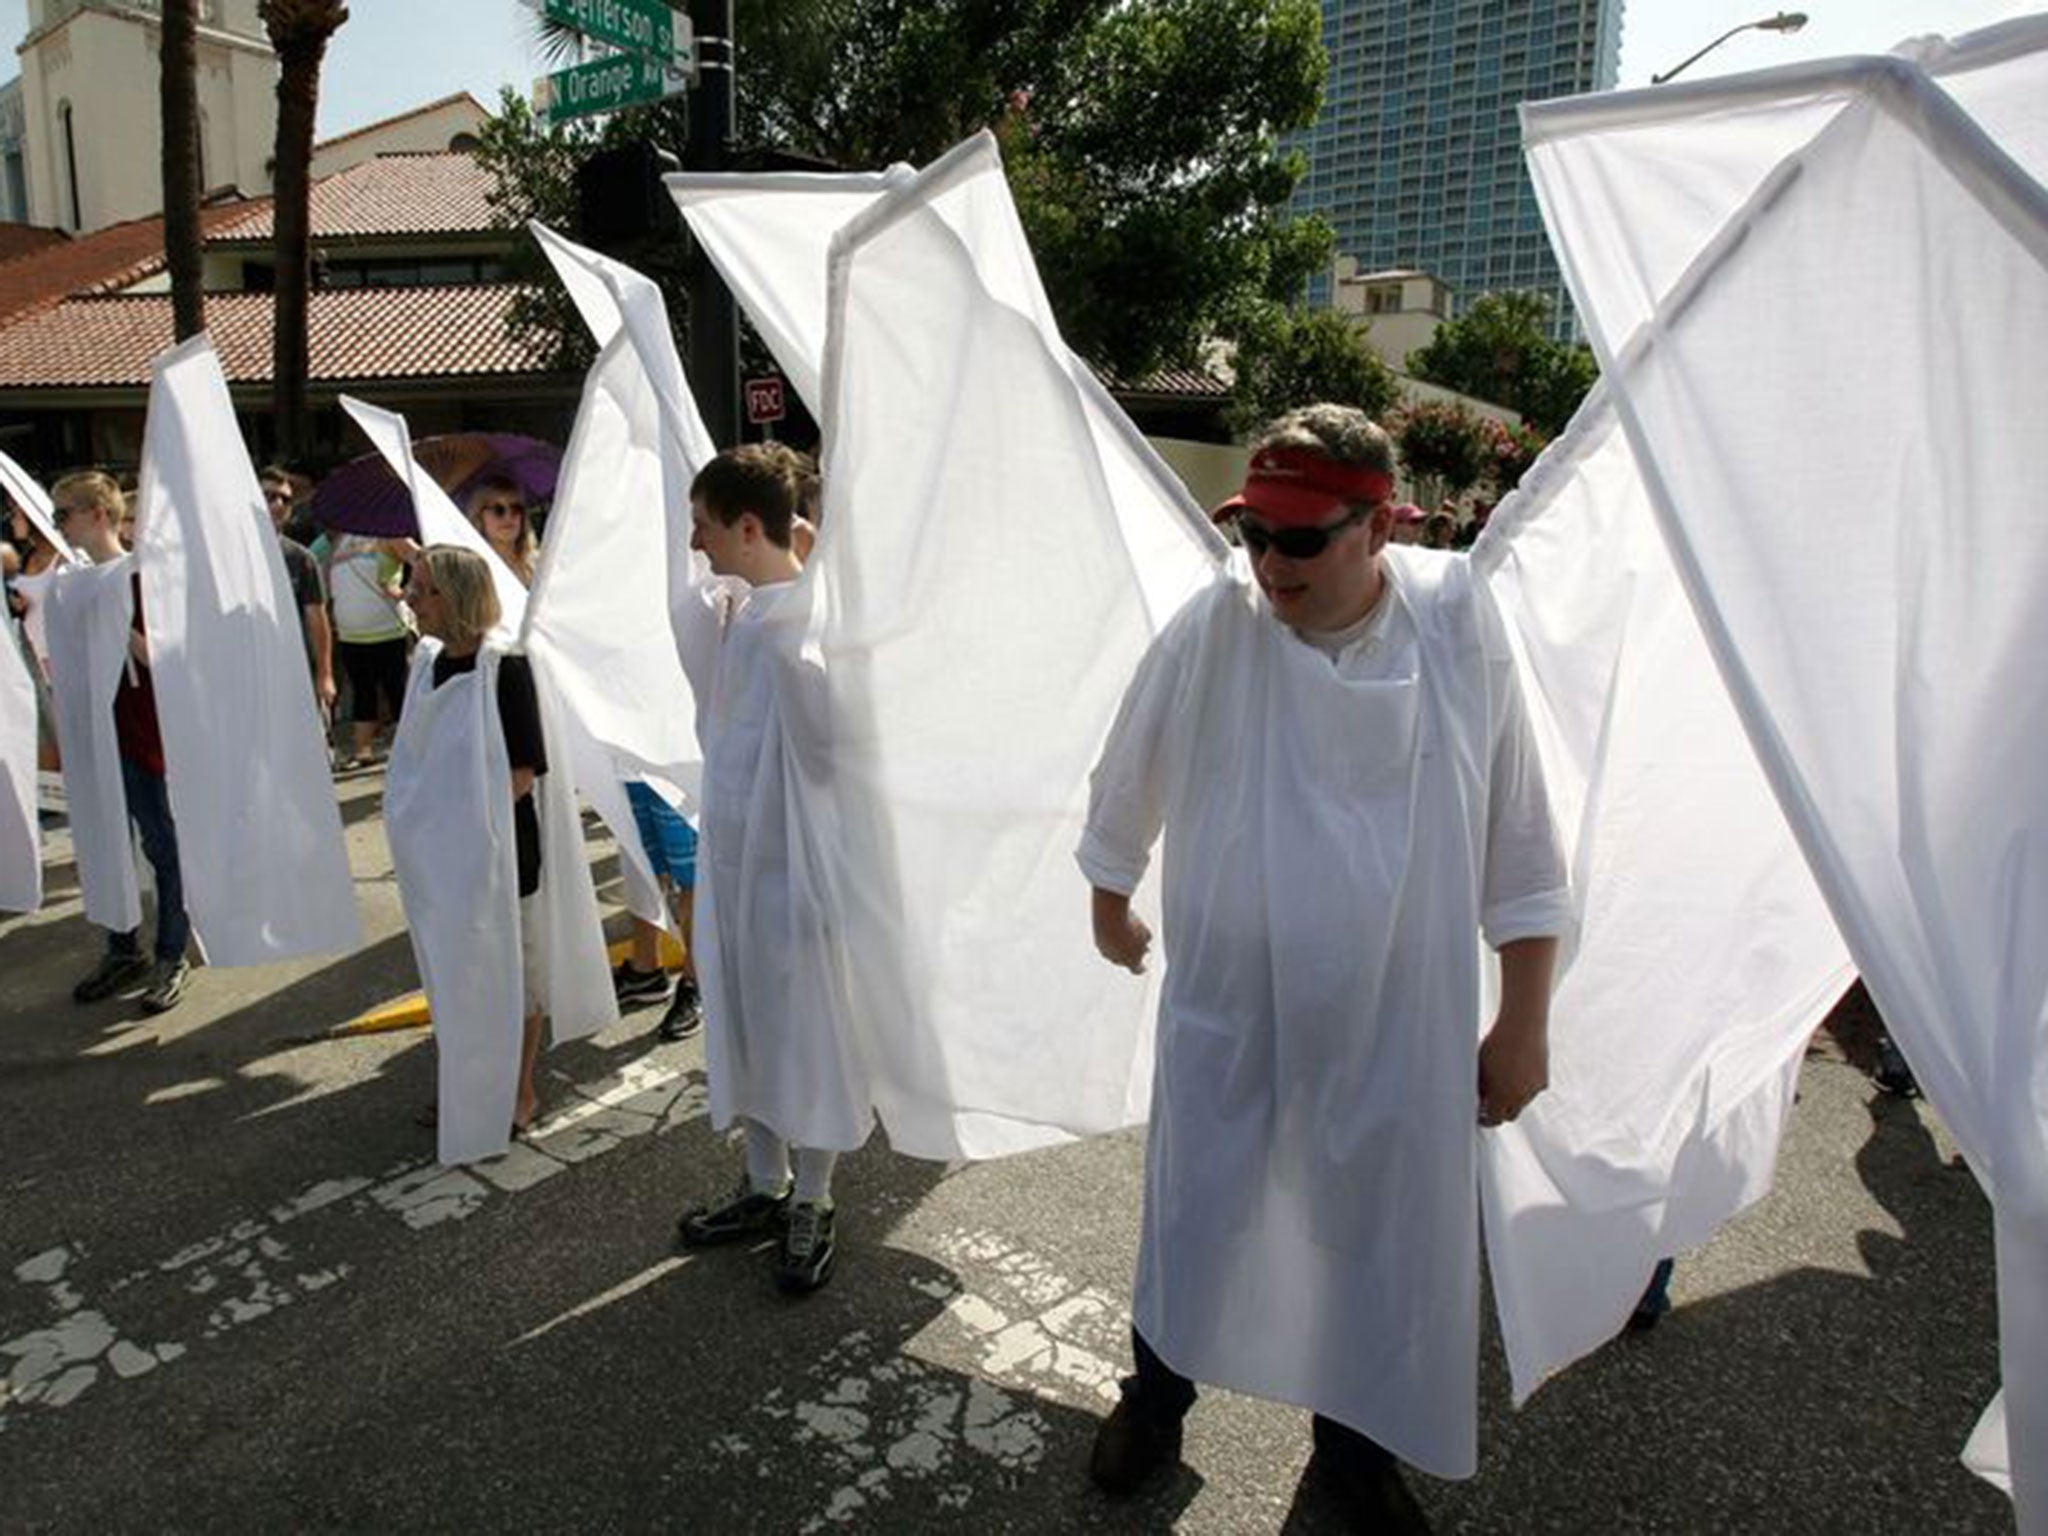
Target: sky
396 54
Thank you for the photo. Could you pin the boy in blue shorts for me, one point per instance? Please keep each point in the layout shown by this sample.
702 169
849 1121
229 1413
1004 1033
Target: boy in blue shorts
672 851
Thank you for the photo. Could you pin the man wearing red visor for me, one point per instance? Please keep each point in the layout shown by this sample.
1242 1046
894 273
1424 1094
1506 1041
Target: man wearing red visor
1333 744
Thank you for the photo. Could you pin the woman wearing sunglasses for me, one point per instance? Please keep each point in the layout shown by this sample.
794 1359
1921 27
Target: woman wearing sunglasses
498 509
1331 740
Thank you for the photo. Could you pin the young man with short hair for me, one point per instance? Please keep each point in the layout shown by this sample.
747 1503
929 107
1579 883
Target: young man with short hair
1332 740
89 508
777 1059
309 595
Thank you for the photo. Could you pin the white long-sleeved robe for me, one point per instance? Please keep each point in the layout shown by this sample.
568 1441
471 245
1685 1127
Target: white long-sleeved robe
1337 834
778 1044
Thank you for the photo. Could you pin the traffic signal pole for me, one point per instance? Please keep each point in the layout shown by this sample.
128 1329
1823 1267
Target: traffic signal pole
714 325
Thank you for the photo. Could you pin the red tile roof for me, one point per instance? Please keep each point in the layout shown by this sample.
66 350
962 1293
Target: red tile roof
1192 384
403 194
21 239
100 262
356 333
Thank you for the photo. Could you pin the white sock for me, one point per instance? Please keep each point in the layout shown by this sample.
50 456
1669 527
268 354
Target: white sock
767 1160
814 1175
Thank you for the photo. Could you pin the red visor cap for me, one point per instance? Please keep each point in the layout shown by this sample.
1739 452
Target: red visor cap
1293 488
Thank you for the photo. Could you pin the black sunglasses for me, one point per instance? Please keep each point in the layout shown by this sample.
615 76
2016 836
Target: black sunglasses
1295 543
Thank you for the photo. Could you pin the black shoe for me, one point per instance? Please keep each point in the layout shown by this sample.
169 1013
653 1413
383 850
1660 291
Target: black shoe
1131 1449
166 985
111 975
747 1214
1373 1498
685 1014
630 984
1893 1075
808 1249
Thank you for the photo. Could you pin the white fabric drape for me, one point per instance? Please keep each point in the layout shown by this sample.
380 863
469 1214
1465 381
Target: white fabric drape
1829 373
34 502
599 616
87 611
21 840
1705 955
260 849
998 548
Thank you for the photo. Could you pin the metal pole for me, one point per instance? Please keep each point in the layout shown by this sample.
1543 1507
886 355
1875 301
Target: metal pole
714 325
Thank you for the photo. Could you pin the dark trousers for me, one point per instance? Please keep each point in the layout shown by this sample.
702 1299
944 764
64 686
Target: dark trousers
149 808
1161 1394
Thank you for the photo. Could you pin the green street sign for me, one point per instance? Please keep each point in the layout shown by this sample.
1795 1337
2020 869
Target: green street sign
618 80
637 26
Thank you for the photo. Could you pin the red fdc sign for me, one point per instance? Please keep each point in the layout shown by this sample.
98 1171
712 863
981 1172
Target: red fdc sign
764 401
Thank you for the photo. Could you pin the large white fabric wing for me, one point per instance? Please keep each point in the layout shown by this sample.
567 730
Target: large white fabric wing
1705 955
1853 508
21 840
259 833
977 612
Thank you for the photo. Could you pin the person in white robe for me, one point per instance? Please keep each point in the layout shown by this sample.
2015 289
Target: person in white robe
113 750
1332 741
780 1060
460 811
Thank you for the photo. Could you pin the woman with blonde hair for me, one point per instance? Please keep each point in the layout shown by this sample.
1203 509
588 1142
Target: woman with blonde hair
497 507
460 808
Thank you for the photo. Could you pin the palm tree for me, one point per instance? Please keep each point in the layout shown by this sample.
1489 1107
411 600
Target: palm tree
180 105
299 30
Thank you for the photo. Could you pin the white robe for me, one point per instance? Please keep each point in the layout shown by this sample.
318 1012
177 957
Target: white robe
448 812
778 1042
87 612
21 842
1337 835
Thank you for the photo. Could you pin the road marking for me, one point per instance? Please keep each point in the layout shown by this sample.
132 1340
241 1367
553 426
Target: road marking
603 1299
878 1418
248 1271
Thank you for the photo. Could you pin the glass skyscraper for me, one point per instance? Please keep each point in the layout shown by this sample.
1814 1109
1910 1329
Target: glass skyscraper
1416 158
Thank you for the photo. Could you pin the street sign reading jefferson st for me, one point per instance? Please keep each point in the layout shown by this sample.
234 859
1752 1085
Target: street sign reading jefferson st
656 57
637 26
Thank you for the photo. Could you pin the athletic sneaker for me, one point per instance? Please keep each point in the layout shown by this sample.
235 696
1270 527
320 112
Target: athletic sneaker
685 1014
747 1213
166 985
807 1248
114 973
630 984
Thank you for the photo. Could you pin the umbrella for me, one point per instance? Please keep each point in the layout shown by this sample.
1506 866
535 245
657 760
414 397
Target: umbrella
364 496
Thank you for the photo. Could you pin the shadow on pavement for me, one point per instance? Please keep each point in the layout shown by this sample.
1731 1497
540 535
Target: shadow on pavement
1819 1401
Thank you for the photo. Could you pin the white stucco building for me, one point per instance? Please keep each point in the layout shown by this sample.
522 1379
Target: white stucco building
90 80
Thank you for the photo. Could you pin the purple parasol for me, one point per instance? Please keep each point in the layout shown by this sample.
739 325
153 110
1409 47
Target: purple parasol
364 496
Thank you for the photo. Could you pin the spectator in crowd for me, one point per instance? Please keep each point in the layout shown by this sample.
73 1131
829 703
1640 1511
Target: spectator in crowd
370 634
308 594
497 507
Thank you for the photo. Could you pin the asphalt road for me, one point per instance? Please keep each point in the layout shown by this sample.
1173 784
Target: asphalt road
236 1293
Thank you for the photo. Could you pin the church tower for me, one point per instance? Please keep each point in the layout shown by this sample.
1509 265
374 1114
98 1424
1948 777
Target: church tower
90 148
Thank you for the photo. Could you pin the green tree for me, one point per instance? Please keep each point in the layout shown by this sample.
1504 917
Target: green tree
1500 350
1141 139
1445 448
299 31
1296 356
